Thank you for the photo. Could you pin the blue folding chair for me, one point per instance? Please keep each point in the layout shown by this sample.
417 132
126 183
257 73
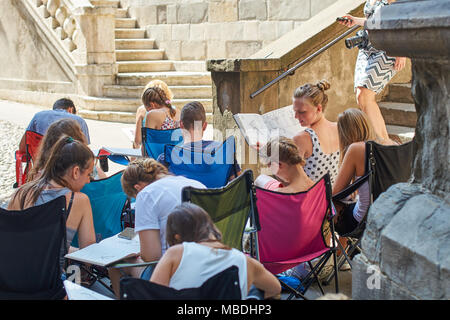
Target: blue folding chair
108 202
211 165
155 140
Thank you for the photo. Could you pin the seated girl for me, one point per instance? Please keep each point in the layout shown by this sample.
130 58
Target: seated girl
68 168
157 192
58 128
197 254
282 156
143 109
318 144
354 130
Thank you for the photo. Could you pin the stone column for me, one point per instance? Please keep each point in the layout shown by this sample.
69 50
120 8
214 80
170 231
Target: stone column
406 245
96 59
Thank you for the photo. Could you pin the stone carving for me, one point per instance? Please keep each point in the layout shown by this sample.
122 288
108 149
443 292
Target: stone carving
60 19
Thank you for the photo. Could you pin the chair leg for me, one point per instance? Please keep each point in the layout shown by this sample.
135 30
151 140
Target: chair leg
97 278
293 291
317 278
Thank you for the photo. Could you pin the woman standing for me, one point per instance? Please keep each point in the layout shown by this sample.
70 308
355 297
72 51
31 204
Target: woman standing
373 70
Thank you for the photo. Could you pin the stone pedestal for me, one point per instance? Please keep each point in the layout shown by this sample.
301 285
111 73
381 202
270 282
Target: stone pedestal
406 245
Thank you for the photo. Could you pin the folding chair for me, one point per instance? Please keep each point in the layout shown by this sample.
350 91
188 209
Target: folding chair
293 228
153 140
212 165
30 244
385 166
229 207
32 143
222 286
108 202
117 155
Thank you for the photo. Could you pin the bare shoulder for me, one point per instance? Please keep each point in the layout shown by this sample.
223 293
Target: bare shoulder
357 150
175 252
302 137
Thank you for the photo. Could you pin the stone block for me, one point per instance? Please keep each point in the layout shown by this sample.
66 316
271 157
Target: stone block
192 12
242 49
172 48
180 32
172 14
145 15
216 49
213 31
223 11
232 31
289 10
161 13
160 32
252 10
267 30
193 50
197 32
317 6
251 29
284 27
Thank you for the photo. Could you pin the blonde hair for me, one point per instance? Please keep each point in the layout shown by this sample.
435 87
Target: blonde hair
353 126
162 85
282 149
314 92
145 170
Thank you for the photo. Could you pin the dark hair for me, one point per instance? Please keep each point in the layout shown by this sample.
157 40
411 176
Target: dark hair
192 224
64 104
191 112
65 154
158 96
315 92
58 128
282 149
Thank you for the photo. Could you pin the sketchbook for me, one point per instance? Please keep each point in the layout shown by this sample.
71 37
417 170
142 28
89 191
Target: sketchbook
77 292
107 251
258 128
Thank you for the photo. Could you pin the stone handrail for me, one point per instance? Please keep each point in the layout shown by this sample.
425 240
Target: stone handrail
83 37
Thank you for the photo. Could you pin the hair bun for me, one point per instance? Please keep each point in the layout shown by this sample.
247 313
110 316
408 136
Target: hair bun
323 85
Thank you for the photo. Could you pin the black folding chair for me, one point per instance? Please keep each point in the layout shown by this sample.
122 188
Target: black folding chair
222 286
385 166
31 241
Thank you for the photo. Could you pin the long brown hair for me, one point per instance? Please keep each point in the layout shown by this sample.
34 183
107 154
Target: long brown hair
61 127
192 224
65 154
158 96
353 126
145 170
314 92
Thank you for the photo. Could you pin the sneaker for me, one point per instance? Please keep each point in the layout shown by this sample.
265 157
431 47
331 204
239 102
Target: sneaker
345 267
326 271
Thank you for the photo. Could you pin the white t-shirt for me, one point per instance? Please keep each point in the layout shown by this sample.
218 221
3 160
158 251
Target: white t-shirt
157 200
199 263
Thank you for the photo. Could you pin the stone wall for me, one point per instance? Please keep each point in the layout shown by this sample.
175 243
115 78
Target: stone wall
199 29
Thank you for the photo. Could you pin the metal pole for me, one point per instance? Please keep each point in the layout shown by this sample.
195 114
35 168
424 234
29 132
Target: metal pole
303 62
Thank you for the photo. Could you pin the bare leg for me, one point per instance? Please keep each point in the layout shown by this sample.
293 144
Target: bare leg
368 104
115 274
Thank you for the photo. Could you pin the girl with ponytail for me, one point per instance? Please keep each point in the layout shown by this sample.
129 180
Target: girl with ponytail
66 170
318 144
161 114
157 192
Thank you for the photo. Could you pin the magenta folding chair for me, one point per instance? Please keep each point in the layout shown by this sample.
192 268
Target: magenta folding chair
292 231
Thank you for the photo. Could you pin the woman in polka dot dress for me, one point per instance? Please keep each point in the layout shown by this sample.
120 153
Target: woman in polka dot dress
318 144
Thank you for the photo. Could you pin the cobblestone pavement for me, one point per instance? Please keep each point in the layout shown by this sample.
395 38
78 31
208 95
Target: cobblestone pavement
10 135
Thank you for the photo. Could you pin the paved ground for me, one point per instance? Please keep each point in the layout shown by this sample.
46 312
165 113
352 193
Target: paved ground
14 118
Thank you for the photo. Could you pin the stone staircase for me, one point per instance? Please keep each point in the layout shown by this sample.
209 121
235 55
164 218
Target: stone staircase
399 112
138 63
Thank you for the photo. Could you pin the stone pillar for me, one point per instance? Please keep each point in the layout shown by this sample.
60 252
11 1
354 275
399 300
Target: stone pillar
406 245
95 57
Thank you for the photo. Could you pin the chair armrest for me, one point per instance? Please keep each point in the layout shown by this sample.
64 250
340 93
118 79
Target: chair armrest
128 265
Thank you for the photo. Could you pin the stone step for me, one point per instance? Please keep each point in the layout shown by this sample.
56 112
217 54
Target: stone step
404 134
106 3
117 116
121 13
399 92
125 23
131 104
130 33
134 44
139 55
186 65
145 66
179 92
400 114
172 78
